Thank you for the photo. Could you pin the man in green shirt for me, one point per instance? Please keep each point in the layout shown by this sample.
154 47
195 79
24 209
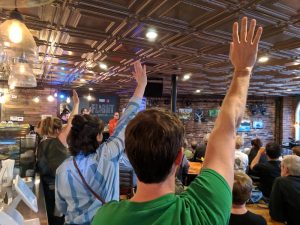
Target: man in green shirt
153 143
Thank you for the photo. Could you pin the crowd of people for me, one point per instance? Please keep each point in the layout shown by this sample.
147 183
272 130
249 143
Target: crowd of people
80 172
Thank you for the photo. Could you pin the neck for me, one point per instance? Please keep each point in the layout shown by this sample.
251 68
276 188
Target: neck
238 209
148 192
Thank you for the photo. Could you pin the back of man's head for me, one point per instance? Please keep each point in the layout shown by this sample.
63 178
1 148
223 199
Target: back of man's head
242 188
292 163
296 150
152 142
239 141
273 150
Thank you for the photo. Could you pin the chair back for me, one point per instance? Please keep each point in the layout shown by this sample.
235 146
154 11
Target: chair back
126 182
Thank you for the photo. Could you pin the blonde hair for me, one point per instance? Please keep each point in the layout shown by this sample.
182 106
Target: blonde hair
242 187
51 126
239 141
292 163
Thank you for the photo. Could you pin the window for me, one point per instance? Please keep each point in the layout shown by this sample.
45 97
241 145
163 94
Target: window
297 122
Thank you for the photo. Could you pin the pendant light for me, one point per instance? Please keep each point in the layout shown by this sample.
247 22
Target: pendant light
22 75
16 39
11 4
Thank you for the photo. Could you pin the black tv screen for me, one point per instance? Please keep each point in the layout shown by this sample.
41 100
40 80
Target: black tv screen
154 87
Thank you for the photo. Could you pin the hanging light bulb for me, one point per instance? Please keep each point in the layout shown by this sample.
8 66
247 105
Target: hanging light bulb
15 32
19 40
55 94
50 98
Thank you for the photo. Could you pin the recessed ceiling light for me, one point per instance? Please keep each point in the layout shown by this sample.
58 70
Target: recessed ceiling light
68 100
198 91
187 76
82 80
89 97
91 89
63 68
263 59
103 66
151 35
289 90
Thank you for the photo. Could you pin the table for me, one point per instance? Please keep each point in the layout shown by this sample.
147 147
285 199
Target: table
262 210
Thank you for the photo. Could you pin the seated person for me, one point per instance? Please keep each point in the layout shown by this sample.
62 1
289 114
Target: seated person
241 192
285 196
256 145
240 158
268 171
183 169
154 141
200 149
189 154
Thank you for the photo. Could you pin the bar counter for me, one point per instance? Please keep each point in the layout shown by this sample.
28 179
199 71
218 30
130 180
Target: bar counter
30 217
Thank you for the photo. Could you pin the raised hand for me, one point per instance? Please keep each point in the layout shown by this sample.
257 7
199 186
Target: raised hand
243 49
75 97
140 73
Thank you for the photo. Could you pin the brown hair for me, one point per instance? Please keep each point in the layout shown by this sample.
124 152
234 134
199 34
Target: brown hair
296 150
152 142
256 143
242 188
51 126
83 134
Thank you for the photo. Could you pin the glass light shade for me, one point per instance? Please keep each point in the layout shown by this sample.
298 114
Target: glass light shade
17 40
12 4
22 76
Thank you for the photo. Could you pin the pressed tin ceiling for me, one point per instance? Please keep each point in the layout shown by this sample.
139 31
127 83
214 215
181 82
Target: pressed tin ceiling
193 38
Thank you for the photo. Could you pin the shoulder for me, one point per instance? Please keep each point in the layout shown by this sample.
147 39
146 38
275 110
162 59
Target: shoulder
66 165
104 213
256 219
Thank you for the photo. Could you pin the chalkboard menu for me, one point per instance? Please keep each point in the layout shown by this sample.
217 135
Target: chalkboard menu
104 107
101 106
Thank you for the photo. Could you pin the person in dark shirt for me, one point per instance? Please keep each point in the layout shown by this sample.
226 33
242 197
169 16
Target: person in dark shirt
267 172
201 149
241 192
256 145
285 196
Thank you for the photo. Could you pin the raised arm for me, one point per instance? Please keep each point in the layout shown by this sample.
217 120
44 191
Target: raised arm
65 131
115 144
257 157
221 146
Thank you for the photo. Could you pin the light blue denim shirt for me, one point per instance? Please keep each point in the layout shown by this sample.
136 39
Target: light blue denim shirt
100 170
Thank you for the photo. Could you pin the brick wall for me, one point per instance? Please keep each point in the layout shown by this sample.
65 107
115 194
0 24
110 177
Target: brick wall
22 105
196 130
288 117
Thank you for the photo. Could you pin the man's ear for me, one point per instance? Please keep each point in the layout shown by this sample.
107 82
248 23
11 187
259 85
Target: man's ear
179 157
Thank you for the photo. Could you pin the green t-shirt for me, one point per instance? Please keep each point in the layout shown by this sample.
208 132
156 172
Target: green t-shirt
206 201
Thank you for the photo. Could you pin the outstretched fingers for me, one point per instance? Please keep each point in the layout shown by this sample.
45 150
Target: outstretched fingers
235 33
251 31
244 29
257 36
